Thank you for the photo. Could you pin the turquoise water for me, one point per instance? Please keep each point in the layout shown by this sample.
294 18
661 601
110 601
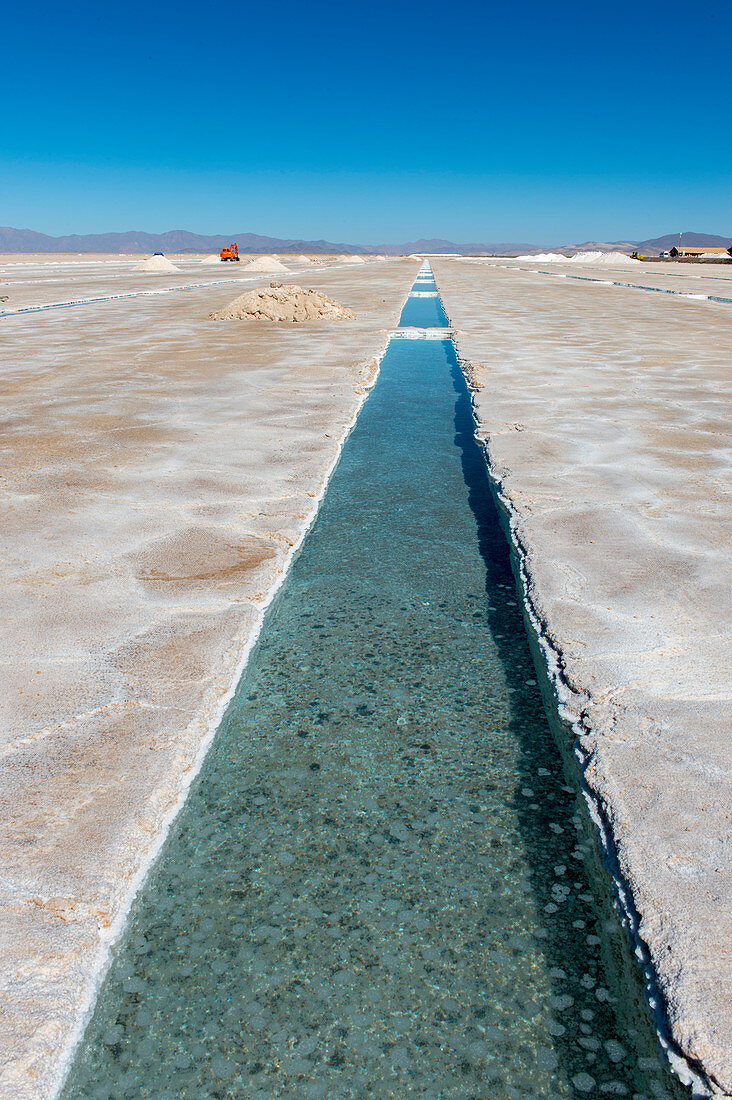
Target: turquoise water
423 313
382 884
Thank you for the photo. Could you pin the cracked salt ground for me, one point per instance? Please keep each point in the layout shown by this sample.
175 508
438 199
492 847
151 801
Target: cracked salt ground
382 885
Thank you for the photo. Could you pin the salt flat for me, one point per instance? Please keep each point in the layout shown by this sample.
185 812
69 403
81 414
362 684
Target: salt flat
158 470
605 417
30 281
695 280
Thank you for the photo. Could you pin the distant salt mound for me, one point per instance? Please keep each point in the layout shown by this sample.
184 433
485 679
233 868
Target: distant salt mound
604 258
352 260
266 263
301 260
158 264
544 258
211 260
283 304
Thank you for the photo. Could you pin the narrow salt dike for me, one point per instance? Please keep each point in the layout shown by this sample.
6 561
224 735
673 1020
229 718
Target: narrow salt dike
383 883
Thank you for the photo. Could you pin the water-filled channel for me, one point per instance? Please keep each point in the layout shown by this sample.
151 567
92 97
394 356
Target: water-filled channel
383 884
423 313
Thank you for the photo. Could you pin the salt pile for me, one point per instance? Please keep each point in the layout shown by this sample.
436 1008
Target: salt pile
156 263
301 260
283 303
544 258
352 259
604 258
266 263
211 260
609 258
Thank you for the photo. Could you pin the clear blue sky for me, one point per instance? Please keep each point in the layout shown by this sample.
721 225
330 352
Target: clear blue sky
370 123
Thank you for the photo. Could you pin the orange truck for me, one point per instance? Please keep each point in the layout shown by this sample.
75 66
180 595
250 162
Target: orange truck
230 253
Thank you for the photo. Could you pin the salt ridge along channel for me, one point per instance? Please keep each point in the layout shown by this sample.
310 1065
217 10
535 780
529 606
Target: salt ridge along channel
384 883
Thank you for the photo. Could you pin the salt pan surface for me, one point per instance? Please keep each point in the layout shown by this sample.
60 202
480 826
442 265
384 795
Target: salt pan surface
604 424
150 524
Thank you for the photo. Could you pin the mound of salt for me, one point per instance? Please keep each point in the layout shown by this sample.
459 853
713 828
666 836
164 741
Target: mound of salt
156 264
352 259
266 263
544 258
283 303
211 260
301 260
604 258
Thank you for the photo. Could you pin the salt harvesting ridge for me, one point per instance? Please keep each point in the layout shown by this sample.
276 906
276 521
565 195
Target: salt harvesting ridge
416 854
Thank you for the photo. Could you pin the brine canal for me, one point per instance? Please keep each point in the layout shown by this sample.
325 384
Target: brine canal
383 884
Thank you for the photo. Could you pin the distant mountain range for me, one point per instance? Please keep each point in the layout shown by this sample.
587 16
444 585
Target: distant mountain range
663 244
180 240
655 245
